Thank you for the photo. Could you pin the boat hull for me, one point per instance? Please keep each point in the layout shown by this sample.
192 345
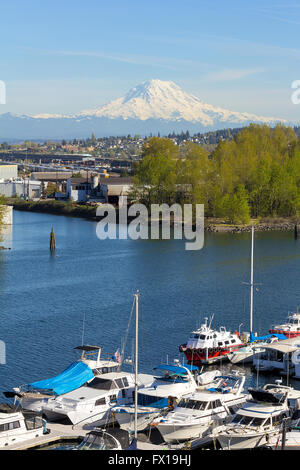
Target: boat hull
288 334
207 356
173 432
239 441
126 419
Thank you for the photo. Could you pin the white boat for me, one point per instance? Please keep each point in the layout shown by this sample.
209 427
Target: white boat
34 395
91 404
198 413
17 427
176 381
260 419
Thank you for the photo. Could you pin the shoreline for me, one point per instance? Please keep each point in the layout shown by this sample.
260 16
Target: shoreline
89 213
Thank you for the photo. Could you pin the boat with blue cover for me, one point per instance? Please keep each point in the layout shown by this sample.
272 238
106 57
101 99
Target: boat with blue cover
91 364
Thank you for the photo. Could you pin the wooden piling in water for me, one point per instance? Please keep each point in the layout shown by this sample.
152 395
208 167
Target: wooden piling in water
52 240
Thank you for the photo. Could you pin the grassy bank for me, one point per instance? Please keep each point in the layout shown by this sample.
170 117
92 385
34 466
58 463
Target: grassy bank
55 207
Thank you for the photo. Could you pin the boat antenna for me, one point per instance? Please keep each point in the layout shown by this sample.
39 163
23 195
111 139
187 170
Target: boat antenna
211 319
136 296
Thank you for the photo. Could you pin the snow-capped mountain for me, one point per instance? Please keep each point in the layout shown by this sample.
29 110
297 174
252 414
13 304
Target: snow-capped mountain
151 107
157 99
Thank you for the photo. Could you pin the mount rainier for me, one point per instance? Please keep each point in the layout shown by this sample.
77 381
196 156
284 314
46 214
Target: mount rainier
151 107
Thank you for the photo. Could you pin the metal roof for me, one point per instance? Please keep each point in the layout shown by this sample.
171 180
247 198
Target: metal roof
284 346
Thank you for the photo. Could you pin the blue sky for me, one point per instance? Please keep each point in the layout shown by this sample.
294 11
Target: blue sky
65 56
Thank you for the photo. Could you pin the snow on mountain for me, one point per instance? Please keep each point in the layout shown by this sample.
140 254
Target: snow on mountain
151 107
157 99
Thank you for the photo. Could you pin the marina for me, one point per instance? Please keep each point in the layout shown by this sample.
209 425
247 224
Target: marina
93 304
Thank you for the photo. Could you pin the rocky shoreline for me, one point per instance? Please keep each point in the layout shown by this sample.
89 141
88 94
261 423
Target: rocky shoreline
259 227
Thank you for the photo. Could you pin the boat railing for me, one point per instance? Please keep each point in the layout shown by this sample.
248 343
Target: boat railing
87 418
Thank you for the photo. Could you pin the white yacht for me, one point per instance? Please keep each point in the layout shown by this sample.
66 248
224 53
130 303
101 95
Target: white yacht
91 364
198 413
17 427
174 382
260 419
92 403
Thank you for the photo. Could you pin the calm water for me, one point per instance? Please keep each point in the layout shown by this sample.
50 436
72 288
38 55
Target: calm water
43 298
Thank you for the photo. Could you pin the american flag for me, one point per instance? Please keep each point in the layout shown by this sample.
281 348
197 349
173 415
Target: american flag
117 356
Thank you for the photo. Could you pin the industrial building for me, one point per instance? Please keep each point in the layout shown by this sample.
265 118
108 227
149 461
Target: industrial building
22 188
8 171
111 190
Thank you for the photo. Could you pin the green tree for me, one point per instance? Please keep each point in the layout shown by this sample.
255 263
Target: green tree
235 206
155 175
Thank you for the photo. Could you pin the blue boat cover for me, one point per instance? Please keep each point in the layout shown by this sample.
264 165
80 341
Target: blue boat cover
71 378
261 338
176 369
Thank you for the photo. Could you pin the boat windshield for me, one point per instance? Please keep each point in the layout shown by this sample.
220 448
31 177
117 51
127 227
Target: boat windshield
152 400
98 442
248 421
192 404
199 336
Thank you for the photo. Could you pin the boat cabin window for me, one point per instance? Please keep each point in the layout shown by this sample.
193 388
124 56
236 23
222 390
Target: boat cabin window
9 426
192 404
292 321
214 404
202 336
113 398
105 370
247 420
226 342
101 401
196 336
277 420
34 422
220 343
233 340
233 409
148 400
122 382
100 383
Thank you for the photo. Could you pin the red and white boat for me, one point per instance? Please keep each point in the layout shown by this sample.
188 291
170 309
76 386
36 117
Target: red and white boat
206 346
291 328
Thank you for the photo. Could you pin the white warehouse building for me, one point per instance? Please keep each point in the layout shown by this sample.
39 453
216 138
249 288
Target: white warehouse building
28 189
8 171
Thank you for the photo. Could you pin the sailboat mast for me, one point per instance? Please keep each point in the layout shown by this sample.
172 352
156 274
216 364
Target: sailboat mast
251 279
136 361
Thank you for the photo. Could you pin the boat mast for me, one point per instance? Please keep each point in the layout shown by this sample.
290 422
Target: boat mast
136 360
251 279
